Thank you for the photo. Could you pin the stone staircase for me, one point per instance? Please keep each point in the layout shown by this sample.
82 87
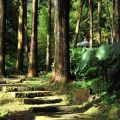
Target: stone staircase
43 104
18 87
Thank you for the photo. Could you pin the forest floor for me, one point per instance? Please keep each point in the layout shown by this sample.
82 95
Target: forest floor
38 99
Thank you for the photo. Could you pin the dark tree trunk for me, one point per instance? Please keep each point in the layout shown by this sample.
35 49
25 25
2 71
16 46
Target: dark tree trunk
25 31
19 64
2 38
33 70
78 24
91 22
48 53
65 31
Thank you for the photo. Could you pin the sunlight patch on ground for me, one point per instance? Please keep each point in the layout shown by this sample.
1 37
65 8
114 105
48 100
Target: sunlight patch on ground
42 118
55 116
92 111
3 112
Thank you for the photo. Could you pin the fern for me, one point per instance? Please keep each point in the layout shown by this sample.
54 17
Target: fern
103 52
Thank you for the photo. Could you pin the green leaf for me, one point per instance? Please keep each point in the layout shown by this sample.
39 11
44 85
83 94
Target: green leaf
103 52
86 57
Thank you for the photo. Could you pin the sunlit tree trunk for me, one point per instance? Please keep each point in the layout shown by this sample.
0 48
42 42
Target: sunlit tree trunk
91 22
117 20
58 41
48 38
78 24
19 64
2 38
33 70
99 22
110 22
61 58
113 23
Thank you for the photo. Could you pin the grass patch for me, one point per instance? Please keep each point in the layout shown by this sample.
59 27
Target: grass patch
3 113
93 110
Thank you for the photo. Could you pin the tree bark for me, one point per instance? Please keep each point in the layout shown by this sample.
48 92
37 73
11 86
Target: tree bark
61 57
91 22
33 70
117 20
58 41
48 50
2 38
78 24
99 23
65 31
19 64
113 23
25 31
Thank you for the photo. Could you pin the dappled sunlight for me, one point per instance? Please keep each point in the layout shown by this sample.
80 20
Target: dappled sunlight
61 105
42 118
66 116
92 111
78 41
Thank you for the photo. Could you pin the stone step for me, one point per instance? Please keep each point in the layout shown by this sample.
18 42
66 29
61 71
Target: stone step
53 109
41 100
63 116
50 118
18 87
2 82
30 94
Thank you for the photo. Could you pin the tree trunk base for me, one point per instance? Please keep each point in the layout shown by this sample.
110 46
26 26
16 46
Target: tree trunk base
32 72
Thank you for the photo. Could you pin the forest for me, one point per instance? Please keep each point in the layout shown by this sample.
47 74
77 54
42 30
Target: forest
59 59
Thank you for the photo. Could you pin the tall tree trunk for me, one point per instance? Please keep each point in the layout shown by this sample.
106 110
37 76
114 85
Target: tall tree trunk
33 70
78 24
117 20
19 64
48 38
99 22
91 22
25 31
58 41
61 58
2 38
113 23
65 31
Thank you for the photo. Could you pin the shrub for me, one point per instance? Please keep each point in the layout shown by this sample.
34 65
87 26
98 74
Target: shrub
102 63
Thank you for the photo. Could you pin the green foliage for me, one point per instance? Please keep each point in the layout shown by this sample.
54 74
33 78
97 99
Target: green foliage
103 52
114 69
81 60
88 60
99 65
86 57
42 34
75 60
10 64
76 85
108 99
11 26
3 113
